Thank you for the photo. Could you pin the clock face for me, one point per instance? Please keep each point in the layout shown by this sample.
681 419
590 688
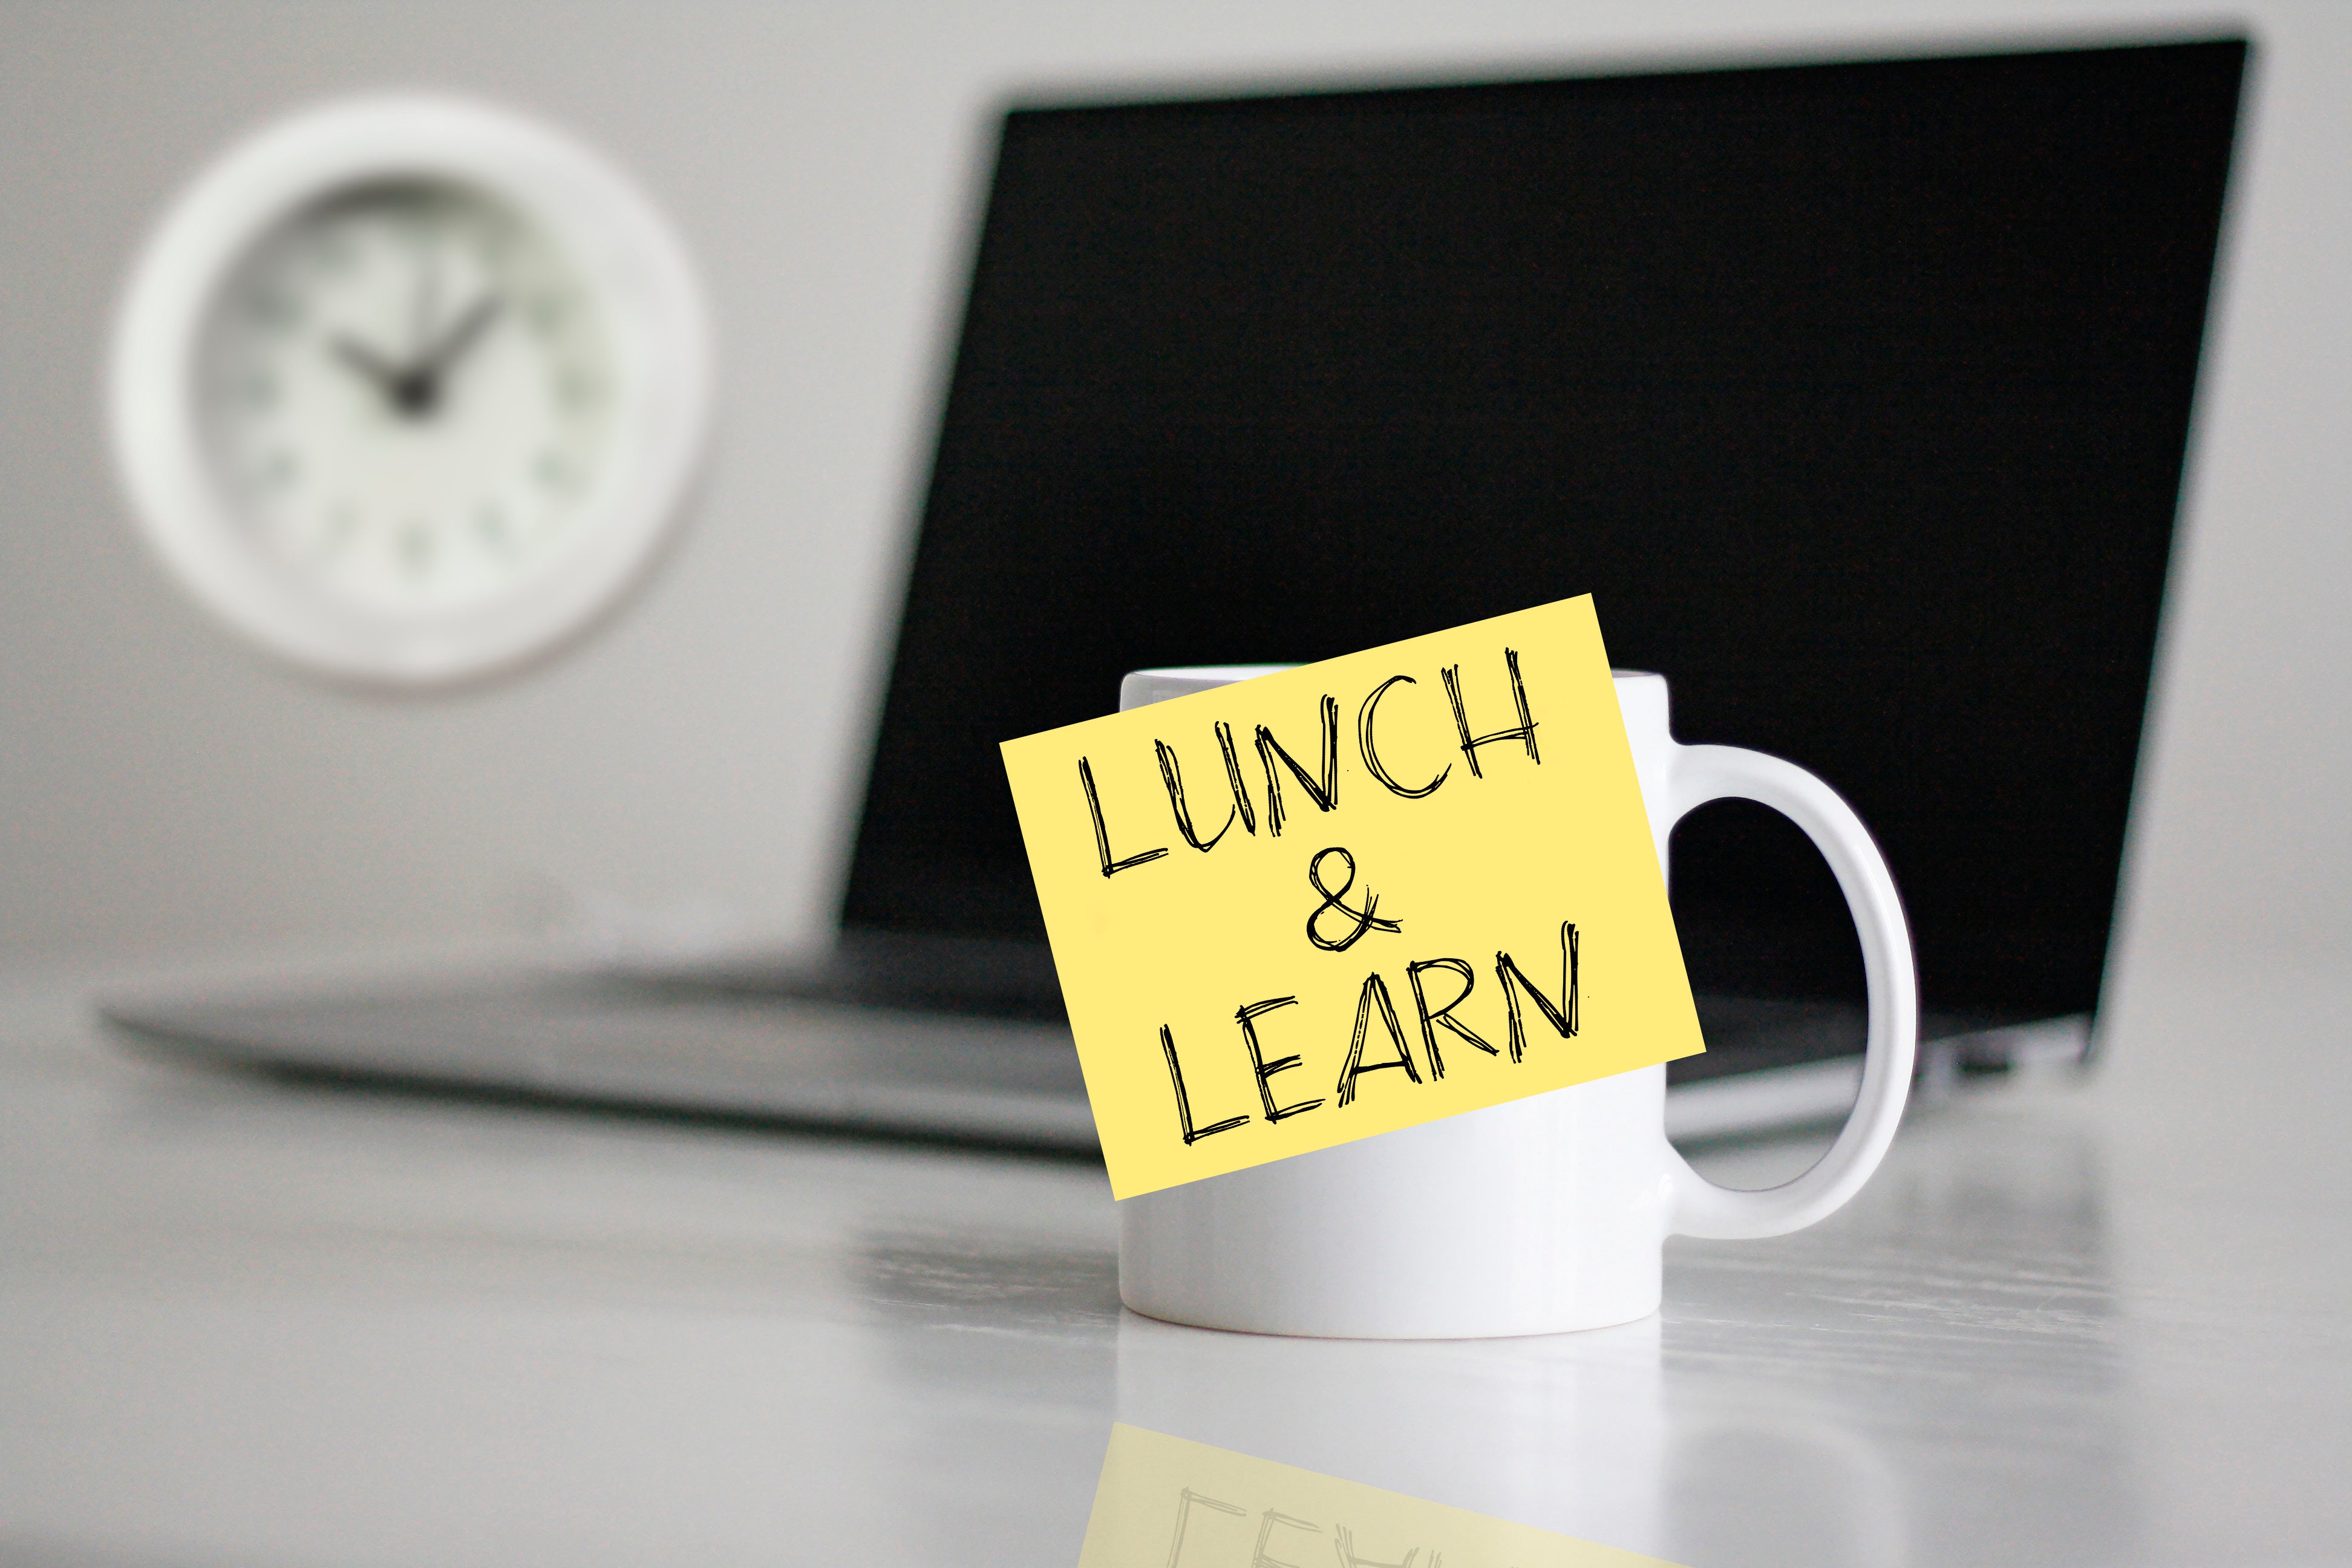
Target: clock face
408 389
406 395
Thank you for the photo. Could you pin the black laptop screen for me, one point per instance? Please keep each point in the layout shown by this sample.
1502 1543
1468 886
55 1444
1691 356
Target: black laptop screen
1858 396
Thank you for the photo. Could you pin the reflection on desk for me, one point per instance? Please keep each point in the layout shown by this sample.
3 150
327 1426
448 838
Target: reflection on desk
1203 1506
1812 1400
251 1321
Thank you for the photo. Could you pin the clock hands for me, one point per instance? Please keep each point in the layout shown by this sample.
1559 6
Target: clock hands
425 303
374 366
461 336
414 389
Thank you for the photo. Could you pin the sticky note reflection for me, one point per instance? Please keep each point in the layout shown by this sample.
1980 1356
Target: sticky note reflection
1165 1502
1351 896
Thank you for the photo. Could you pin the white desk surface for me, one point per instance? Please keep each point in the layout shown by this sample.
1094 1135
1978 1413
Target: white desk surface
246 1322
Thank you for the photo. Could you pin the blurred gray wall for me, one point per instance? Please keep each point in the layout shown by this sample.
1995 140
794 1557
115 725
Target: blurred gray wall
163 792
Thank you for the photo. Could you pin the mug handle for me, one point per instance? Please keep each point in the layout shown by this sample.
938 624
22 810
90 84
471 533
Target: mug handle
1699 1208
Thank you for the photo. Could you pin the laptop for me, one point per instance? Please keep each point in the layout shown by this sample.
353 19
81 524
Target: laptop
1857 394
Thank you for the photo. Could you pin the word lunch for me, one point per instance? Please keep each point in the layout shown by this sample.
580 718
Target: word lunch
1321 786
1396 885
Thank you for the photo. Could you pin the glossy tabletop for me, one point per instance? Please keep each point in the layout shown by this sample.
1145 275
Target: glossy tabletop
246 1322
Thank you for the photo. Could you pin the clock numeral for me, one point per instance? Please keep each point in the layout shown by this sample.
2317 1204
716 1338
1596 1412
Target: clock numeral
276 311
557 472
576 389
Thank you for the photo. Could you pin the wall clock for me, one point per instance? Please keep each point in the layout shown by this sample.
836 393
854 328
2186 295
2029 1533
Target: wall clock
408 389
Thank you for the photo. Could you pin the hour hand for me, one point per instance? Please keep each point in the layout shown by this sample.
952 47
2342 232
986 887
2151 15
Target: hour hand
368 362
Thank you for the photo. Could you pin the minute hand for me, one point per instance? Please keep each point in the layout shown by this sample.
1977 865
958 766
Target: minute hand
460 337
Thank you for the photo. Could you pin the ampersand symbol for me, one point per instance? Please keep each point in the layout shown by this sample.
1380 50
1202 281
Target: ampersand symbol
1364 918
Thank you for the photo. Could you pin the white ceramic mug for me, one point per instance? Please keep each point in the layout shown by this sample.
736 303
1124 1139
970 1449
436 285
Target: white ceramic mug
1545 1214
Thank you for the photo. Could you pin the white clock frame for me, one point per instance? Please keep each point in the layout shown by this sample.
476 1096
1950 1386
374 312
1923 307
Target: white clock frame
628 258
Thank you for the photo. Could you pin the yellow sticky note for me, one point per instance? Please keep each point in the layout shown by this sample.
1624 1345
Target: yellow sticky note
1352 897
1164 1500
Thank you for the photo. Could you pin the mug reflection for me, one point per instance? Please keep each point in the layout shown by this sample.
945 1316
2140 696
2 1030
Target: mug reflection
1193 1505
1564 1432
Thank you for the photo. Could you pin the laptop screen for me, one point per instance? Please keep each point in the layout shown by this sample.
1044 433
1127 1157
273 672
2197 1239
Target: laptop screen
1858 396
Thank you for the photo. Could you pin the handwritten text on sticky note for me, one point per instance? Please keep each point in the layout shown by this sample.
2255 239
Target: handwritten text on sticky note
1352 897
